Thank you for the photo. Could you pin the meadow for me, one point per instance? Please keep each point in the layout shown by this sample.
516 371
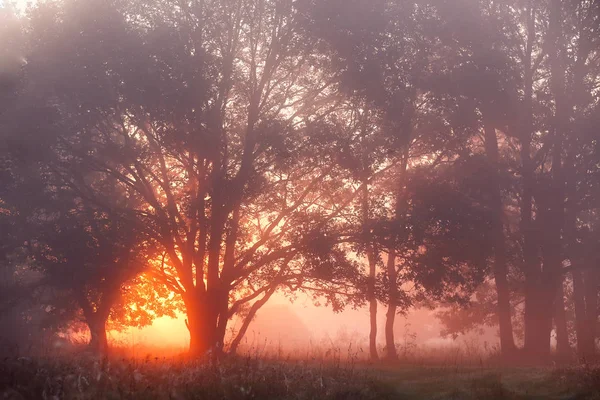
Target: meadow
256 376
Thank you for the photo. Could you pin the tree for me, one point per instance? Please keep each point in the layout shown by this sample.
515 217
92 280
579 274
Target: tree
86 258
573 37
384 57
227 154
245 147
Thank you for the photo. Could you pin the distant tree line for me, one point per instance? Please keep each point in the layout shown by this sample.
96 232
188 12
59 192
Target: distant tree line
203 155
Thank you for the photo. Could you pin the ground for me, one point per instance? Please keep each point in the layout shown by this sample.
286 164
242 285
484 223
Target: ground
492 383
88 377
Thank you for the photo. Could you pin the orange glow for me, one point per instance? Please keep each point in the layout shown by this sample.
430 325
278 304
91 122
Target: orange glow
320 327
165 335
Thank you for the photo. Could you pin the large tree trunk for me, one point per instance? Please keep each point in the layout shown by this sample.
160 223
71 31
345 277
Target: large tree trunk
537 319
390 318
563 349
585 294
199 336
98 339
541 289
198 322
96 321
500 269
532 267
549 279
553 209
550 282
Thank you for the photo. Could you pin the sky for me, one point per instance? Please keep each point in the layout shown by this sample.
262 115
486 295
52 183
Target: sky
20 4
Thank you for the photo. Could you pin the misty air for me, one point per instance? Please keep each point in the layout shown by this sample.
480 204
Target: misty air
299 199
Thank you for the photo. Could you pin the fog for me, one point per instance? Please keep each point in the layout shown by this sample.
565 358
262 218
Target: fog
393 180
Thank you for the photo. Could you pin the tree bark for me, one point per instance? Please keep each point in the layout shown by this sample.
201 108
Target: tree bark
532 267
500 269
563 349
390 318
591 305
390 344
534 318
372 260
96 322
202 332
549 283
98 339
585 294
372 319
591 308
553 209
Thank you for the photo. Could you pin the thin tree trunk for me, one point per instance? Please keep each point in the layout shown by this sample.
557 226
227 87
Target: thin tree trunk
585 280
532 267
372 316
372 260
581 331
372 306
251 314
585 294
500 269
390 344
591 308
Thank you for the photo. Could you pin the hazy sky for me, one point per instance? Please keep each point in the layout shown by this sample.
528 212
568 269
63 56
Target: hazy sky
21 4
321 321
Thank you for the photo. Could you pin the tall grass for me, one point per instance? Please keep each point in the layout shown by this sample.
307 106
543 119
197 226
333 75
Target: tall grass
328 369
88 377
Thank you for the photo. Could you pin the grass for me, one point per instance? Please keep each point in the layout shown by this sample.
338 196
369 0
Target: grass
87 377
161 378
473 383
